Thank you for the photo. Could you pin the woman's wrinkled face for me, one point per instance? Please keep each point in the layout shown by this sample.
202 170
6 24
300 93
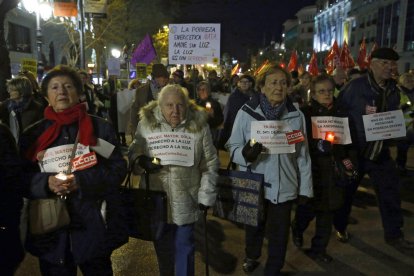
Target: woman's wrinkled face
275 88
14 93
62 93
173 108
244 85
324 91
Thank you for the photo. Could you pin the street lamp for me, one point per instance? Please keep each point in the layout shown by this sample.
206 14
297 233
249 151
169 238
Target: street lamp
43 11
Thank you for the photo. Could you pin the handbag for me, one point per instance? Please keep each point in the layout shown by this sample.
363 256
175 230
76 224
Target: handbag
146 210
240 196
47 215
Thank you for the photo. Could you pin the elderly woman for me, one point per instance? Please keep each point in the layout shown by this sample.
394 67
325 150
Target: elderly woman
20 110
91 187
286 167
328 194
187 173
212 106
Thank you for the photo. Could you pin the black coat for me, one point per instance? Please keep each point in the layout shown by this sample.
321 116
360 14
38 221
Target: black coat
11 186
87 236
327 195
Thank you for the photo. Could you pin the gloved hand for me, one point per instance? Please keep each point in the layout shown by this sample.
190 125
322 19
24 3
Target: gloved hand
324 146
250 153
203 207
349 169
302 200
146 163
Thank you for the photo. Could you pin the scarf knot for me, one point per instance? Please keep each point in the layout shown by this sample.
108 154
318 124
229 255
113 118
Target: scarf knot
69 116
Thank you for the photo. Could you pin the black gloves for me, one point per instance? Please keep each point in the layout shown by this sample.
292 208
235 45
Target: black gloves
250 153
203 208
324 146
148 165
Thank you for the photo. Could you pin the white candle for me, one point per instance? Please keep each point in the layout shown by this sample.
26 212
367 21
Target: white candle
61 176
208 105
155 161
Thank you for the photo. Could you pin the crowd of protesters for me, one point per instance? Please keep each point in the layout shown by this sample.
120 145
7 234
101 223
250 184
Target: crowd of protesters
315 177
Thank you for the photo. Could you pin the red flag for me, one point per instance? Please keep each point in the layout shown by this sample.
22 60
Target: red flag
313 65
293 62
374 47
346 58
65 8
333 58
362 56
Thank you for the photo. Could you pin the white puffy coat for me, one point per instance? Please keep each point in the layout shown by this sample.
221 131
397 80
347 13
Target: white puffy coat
186 187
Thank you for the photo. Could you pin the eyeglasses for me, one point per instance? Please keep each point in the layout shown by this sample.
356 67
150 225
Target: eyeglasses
326 92
244 82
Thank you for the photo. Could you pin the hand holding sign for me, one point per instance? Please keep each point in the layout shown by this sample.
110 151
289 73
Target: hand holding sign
250 153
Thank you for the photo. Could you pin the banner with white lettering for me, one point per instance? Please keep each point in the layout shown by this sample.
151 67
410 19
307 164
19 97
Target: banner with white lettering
56 159
194 43
272 134
173 148
337 126
384 125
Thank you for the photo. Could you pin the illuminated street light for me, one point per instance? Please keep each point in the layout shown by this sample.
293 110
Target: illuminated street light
115 53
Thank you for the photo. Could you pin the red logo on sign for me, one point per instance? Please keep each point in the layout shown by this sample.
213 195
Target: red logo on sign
294 137
84 161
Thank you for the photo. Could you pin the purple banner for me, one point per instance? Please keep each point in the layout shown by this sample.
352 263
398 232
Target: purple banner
145 52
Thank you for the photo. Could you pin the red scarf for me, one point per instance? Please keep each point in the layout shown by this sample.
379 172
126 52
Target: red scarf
76 113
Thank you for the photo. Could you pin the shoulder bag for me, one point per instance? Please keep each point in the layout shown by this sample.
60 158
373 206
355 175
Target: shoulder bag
146 210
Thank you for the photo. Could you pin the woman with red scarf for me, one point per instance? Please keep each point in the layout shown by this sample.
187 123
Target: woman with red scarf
91 185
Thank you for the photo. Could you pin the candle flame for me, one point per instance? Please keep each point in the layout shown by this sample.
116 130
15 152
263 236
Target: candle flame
330 136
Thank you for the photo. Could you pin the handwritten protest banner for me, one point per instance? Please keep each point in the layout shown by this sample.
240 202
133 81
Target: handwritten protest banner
336 125
173 148
384 125
194 43
272 134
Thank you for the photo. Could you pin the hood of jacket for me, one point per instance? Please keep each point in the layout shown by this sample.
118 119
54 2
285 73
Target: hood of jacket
195 119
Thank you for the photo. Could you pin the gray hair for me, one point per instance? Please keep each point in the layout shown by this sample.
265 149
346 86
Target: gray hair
171 88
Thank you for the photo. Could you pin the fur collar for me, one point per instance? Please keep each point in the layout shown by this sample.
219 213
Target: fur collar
196 118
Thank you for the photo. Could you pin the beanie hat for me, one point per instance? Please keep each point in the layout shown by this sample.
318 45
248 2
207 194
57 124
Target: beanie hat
385 53
159 70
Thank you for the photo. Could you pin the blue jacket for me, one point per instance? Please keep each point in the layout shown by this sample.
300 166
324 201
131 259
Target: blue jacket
88 236
286 175
354 98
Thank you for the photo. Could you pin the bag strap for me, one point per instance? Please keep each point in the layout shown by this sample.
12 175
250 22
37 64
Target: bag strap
255 115
231 161
73 154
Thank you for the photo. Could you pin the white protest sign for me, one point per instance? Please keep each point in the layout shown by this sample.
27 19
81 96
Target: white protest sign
194 43
384 125
114 66
272 134
57 159
173 148
339 127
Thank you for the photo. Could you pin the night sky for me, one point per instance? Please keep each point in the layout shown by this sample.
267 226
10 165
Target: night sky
245 24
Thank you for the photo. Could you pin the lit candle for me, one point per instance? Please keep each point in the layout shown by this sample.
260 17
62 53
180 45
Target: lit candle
61 176
155 161
252 142
330 136
208 105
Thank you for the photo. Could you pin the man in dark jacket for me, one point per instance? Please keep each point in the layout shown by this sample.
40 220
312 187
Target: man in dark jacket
372 93
11 249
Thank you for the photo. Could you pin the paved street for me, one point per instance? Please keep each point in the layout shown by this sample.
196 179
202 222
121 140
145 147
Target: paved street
365 254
